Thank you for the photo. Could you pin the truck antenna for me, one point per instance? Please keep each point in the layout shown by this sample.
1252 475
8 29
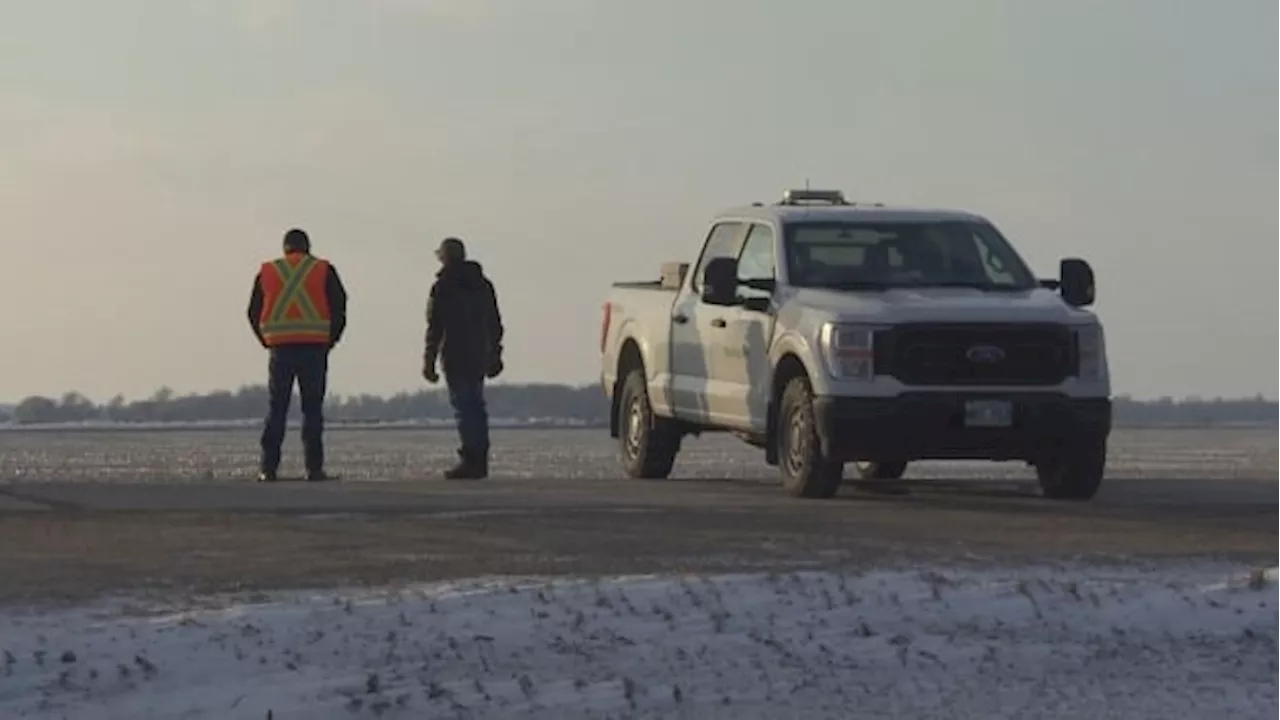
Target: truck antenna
806 183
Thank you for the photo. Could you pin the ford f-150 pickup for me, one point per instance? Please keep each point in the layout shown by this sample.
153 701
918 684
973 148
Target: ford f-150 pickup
828 332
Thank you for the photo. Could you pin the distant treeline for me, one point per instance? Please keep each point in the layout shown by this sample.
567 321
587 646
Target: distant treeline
538 404
535 403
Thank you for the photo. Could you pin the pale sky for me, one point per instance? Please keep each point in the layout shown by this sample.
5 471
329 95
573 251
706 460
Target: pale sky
154 152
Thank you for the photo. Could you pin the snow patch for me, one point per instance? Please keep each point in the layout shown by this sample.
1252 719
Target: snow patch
808 644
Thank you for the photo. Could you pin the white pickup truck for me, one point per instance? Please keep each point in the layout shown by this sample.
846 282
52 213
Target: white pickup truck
827 332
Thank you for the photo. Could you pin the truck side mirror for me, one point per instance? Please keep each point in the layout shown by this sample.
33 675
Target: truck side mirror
1076 282
720 282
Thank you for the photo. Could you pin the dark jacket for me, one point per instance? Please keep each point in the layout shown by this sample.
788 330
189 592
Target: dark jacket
464 327
334 292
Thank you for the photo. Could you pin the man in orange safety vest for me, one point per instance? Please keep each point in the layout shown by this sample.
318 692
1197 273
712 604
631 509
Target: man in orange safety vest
298 311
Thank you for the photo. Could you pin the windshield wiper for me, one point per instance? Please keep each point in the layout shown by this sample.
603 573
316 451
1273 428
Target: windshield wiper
985 287
884 286
855 285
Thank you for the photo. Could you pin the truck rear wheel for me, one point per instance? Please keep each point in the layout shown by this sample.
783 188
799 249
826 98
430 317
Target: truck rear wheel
806 472
1074 472
649 444
871 470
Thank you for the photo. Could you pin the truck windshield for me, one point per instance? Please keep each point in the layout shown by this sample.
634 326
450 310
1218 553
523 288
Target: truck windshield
869 255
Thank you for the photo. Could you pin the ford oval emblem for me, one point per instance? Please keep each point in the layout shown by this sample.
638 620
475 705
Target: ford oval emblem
984 354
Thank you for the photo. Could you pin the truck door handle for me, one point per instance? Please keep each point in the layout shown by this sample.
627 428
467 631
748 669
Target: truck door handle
680 319
717 323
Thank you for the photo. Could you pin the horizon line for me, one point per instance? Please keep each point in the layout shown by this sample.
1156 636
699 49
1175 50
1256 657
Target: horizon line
541 383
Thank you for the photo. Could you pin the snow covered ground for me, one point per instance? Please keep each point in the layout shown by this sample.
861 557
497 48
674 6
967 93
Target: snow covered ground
1021 644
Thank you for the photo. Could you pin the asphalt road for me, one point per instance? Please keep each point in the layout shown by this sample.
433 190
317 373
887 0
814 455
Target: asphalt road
75 540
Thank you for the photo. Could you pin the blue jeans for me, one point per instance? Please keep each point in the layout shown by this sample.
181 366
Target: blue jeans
308 365
467 397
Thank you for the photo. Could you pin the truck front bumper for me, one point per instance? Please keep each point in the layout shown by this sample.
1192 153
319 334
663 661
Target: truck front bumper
920 426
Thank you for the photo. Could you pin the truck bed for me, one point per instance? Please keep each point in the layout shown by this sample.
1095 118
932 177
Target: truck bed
670 278
645 285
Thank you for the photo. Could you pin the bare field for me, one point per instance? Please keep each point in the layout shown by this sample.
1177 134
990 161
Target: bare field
406 455
89 513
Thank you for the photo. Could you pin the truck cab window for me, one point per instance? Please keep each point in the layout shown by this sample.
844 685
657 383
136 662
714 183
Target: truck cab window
992 261
723 241
902 254
756 261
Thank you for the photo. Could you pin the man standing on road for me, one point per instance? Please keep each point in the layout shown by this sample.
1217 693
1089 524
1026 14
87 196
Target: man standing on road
298 311
464 330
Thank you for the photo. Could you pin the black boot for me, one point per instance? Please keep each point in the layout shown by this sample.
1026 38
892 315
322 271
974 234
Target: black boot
267 476
469 467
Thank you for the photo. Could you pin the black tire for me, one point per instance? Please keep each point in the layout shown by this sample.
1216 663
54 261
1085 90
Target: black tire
871 470
1074 473
648 445
806 472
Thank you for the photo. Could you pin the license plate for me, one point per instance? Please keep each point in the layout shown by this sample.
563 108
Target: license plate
988 413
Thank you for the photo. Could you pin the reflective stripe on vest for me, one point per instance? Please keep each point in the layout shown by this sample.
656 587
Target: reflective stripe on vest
295 310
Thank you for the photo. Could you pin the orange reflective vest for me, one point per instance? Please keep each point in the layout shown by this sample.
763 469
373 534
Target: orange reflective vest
295 307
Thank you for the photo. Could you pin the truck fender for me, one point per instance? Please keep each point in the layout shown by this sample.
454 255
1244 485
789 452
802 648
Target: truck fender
624 336
789 348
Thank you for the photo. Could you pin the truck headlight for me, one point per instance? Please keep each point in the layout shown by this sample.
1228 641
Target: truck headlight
1091 352
849 351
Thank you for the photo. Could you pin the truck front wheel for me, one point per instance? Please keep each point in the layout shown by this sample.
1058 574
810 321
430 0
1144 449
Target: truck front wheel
649 444
806 472
1074 472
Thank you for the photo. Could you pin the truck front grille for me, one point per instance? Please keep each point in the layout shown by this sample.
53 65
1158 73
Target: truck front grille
976 354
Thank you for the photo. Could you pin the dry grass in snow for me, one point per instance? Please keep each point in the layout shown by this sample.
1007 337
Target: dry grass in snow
1030 644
